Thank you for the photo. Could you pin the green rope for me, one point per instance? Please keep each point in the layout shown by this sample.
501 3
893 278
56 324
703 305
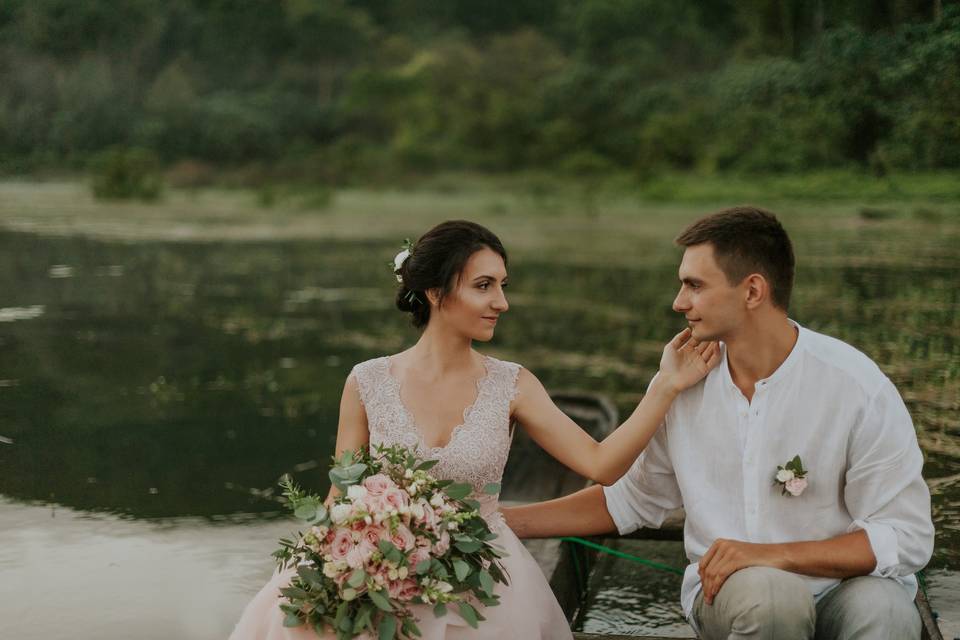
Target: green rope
621 554
922 581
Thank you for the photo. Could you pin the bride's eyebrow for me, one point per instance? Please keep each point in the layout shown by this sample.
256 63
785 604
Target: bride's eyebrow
479 278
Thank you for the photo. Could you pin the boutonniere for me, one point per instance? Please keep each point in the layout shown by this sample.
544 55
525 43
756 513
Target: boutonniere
791 477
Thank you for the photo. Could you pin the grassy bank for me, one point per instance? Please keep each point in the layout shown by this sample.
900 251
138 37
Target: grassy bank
535 210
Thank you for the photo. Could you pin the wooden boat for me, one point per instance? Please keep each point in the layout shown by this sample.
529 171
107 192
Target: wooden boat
532 475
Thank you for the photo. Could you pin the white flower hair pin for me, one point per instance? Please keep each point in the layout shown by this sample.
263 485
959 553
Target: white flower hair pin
401 257
791 477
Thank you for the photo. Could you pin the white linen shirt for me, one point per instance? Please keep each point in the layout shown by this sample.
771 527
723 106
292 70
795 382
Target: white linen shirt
716 455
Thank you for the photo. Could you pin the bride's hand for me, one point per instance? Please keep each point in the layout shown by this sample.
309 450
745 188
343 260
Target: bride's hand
686 360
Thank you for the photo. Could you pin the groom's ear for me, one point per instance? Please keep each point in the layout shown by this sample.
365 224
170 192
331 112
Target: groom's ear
756 289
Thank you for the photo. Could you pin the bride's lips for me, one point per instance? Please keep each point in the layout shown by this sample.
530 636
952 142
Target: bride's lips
492 319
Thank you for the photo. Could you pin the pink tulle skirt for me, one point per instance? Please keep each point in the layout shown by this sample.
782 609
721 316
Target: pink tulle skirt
527 609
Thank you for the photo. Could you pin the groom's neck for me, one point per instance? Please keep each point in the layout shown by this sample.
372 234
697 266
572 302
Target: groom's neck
758 349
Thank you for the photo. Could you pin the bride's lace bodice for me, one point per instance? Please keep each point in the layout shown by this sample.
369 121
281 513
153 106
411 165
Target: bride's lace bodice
478 448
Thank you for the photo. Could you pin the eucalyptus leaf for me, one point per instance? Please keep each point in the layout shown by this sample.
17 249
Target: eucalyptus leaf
410 628
294 592
458 491
461 569
388 627
486 582
422 567
306 511
386 547
427 465
469 547
377 598
489 601
469 614
356 578
363 618
292 620
355 470
440 610
491 488
310 574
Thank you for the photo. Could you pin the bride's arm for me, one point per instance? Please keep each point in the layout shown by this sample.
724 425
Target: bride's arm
684 363
352 431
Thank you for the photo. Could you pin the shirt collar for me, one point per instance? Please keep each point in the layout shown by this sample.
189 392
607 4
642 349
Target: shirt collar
783 370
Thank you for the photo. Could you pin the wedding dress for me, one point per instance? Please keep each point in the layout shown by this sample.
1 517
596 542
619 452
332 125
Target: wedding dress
476 453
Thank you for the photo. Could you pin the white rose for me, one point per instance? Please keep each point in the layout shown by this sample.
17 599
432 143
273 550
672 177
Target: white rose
416 510
356 492
403 572
444 587
437 500
330 569
784 475
340 512
399 258
408 474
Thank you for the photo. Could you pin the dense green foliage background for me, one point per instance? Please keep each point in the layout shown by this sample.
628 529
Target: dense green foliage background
346 91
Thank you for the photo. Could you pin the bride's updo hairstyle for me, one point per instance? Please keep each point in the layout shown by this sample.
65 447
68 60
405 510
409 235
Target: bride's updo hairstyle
436 261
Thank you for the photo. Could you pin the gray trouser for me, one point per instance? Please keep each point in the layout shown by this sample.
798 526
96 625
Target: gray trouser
760 602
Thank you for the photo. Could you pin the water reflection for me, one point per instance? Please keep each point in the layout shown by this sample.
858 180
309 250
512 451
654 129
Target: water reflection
161 381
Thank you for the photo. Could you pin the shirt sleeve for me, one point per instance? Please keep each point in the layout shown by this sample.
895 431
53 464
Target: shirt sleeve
647 493
885 492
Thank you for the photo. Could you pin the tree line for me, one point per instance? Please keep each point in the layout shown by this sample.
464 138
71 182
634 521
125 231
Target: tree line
344 91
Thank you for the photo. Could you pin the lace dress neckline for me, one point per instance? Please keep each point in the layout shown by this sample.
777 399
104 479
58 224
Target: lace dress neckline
411 419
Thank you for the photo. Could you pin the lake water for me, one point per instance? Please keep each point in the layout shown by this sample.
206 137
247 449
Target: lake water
152 393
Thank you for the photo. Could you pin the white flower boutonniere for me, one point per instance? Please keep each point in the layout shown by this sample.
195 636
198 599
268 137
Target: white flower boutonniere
791 477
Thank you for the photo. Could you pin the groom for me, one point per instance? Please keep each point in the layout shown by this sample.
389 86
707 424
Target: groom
835 561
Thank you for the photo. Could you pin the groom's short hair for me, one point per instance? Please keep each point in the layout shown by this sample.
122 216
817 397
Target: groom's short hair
747 240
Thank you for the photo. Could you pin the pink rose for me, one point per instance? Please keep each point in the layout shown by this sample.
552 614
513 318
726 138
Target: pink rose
404 590
358 556
442 545
373 503
402 538
372 535
395 498
378 484
429 518
342 544
796 486
419 555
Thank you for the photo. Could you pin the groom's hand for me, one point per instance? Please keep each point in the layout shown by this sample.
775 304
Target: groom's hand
726 556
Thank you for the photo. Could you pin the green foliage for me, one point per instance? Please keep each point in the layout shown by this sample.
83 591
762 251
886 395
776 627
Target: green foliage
330 92
120 174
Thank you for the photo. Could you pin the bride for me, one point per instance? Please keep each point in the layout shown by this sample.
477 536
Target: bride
455 405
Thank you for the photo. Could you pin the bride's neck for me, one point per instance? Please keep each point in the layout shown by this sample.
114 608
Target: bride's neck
441 352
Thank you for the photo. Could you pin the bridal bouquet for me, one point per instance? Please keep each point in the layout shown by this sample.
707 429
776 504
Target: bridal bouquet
396 536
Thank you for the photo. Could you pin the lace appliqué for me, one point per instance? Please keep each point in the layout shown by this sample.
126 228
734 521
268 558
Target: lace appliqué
478 448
